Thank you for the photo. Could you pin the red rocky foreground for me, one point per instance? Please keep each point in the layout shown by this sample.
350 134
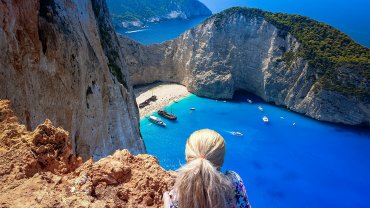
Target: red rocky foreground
38 169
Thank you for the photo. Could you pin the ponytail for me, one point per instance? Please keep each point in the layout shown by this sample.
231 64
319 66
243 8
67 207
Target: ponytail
199 183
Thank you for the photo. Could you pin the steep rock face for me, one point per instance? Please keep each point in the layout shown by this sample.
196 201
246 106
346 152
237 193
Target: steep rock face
38 169
244 52
151 63
60 61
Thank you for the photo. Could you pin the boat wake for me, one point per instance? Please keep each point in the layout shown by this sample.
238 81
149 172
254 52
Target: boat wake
135 31
235 133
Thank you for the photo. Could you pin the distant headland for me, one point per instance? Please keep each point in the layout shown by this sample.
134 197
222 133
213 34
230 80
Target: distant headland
137 13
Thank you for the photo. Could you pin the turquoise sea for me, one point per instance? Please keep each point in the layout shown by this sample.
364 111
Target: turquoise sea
351 17
293 161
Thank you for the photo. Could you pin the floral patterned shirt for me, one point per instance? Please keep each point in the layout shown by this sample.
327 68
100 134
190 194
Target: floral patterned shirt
240 193
240 199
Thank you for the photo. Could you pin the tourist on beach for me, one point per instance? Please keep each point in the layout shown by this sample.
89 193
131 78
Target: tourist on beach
199 183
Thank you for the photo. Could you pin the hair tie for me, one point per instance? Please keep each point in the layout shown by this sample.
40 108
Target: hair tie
202 157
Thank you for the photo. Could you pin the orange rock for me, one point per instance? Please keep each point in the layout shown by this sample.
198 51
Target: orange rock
38 169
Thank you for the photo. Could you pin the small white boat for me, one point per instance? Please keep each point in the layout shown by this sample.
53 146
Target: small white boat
249 101
224 101
265 119
236 133
156 120
192 108
260 108
293 124
282 117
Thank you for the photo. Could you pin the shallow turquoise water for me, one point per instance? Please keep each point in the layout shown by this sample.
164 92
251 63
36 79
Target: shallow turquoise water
309 164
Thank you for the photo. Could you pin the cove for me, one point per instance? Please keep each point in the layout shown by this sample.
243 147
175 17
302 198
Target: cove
293 161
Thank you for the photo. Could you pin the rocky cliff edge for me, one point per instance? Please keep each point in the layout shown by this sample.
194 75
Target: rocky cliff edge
38 169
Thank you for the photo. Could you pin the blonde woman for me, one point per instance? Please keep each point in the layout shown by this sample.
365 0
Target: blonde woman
199 183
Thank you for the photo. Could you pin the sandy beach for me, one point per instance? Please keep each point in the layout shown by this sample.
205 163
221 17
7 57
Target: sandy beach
166 94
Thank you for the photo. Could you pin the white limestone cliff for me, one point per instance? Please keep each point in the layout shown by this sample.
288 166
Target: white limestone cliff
57 62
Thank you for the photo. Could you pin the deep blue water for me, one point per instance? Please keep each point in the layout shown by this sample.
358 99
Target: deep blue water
351 17
161 31
309 164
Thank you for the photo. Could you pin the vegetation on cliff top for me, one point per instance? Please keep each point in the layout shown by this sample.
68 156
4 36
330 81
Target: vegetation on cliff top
135 10
325 47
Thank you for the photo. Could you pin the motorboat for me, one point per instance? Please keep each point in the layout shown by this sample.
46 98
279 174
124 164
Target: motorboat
167 115
236 133
249 101
192 108
260 108
157 121
265 119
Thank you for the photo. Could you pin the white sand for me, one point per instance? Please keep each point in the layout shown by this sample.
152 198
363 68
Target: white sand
166 94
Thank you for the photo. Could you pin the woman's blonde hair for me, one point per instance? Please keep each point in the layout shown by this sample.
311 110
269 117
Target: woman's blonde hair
199 183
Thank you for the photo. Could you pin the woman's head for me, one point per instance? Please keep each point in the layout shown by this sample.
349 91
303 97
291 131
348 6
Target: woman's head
199 183
206 144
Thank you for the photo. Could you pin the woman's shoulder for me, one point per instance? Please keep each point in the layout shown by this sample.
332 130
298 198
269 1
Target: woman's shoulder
240 192
236 180
232 175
